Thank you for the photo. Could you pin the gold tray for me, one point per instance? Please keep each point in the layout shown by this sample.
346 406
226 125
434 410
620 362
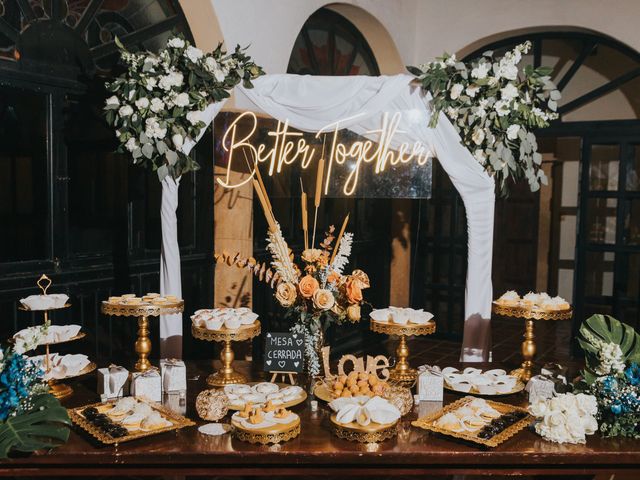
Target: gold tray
372 433
428 423
274 434
142 309
292 403
519 386
322 392
407 329
178 422
531 313
244 332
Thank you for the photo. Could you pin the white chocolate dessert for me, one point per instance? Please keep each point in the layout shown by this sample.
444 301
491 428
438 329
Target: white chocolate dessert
258 395
223 318
131 414
491 382
54 334
401 316
364 411
44 302
471 417
147 299
61 366
509 299
540 301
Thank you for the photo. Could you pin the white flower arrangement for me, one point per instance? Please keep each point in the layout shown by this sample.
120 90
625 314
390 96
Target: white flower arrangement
494 105
565 418
158 103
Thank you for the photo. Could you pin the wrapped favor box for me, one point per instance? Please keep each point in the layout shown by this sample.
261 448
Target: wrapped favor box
430 384
113 382
552 380
174 375
147 385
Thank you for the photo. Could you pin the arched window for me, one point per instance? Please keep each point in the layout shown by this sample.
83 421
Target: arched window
581 237
329 44
71 207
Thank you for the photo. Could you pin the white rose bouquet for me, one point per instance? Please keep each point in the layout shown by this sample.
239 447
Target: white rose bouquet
565 418
158 103
494 105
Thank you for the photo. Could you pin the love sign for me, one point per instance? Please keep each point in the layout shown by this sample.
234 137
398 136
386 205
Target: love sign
283 352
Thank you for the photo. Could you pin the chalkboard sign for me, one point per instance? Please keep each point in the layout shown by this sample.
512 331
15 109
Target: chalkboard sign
283 352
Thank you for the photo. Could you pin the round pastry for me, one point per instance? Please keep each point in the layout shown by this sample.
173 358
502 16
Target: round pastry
292 390
232 323
254 398
237 389
266 388
212 405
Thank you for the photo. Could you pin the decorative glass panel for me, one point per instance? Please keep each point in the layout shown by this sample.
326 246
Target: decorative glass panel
604 165
632 223
598 279
601 220
633 169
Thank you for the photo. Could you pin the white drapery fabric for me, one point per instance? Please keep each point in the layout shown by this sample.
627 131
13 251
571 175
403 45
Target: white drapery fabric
362 104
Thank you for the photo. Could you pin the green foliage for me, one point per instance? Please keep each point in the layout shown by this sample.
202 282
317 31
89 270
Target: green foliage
45 425
599 330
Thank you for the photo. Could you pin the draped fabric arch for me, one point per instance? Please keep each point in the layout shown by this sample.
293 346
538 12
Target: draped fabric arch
361 104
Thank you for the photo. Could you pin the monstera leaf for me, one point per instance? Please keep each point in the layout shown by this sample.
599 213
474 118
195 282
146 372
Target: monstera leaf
603 329
45 426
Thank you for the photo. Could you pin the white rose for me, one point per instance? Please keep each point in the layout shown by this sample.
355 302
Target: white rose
210 64
507 70
177 78
512 132
456 90
480 156
177 140
142 103
192 53
131 144
176 42
471 90
586 404
481 70
194 117
151 83
502 108
509 92
125 111
182 100
157 105
113 101
477 136
538 408
219 74
165 82
161 132
451 61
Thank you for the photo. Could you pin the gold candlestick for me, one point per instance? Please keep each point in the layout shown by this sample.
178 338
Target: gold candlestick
402 373
226 375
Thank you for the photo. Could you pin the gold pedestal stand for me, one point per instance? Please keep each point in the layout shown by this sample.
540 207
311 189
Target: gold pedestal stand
529 314
402 373
57 389
226 375
142 311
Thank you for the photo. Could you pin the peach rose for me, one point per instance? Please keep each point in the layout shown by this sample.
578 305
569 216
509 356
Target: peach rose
353 290
311 255
362 279
353 313
286 294
323 299
308 286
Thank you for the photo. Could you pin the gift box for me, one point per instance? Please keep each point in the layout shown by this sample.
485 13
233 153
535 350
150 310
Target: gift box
174 375
430 384
113 382
147 385
552 380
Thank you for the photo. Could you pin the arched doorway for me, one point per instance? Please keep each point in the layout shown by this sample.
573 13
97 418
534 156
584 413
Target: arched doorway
580 237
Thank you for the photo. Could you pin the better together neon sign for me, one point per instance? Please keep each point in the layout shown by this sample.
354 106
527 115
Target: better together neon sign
290 147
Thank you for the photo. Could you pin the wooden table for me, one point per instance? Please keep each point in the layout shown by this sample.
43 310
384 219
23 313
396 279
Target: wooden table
316 451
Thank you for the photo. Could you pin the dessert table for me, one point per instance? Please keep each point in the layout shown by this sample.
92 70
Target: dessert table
316 451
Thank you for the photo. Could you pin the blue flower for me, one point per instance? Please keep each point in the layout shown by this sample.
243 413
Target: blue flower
609 384
632 374
616 409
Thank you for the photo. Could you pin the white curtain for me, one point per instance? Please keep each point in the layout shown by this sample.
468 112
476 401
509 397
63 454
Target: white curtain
311 103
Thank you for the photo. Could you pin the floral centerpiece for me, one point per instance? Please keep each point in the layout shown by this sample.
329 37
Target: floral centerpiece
158 105
612 374
494 105
315 291
30 417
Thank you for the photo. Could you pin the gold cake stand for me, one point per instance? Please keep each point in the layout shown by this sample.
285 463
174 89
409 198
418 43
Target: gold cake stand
274 434
402 373
226 375
56 388
142 311
372 433
529 314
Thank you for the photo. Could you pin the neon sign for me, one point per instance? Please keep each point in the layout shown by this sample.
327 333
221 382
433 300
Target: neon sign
290 147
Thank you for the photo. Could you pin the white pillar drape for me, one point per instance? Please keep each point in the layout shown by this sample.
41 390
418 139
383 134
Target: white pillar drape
311 103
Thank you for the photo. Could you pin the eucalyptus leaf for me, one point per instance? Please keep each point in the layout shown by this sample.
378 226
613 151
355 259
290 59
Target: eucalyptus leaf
162 172
147 150
172 157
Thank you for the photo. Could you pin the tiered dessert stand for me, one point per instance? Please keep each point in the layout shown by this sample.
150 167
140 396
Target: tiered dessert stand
226 375
56 388
142 311
402 373
529 314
